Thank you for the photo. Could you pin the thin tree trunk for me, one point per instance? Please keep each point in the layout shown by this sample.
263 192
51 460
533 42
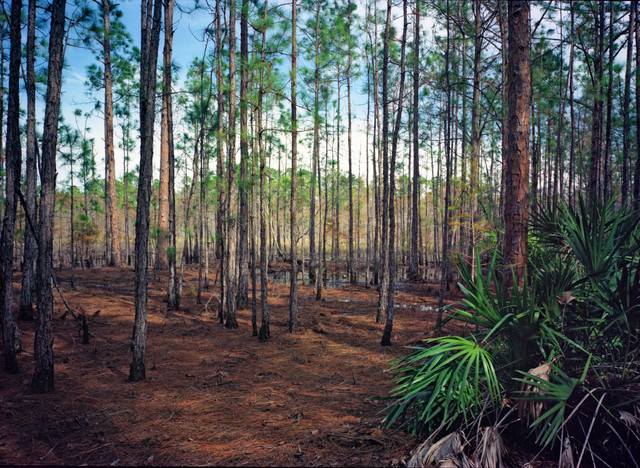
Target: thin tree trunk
316 150
231 263
558 157
415 200
352 271
243 214
505 104
367 271
42 380
220 185
114 226
606 172
10 333
572 150
595 168
476 134
173 296
383 302
626 103
391 281
30 247
447 197
150 31
293 295
162 259
636 186
2 147
264 333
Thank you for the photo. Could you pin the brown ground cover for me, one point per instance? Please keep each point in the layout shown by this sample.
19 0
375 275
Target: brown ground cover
212 396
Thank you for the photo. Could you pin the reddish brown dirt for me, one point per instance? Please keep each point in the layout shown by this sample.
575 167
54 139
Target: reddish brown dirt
212 396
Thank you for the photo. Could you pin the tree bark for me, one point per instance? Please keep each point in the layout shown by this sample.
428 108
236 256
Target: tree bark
110 161
516 202
162 257
572 150
220 182
626 103
391 281
243 214
231 222
293 295
352 270
42 380
383 300
264 333
636 186
30 246
415 200
447 197
476 134
315 150
10 332
173 297
150 32
595 168
606 170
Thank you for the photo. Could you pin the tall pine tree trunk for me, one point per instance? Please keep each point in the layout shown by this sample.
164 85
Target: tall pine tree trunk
516 202
626 104
173 297
391 281
110 161
10 332
447 198
30 246
231 228
415 200
383 302
595 168
293 294
150 32
243 214
265 332
352 271
42 380
315 150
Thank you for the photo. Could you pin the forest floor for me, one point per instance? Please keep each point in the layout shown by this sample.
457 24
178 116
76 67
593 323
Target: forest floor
212 395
